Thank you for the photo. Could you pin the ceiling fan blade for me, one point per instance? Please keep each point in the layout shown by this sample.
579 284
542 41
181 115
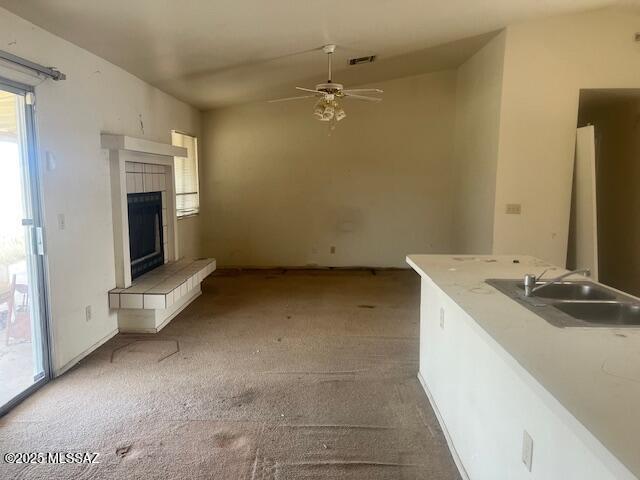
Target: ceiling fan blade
290 98
309 90
363 90
361 97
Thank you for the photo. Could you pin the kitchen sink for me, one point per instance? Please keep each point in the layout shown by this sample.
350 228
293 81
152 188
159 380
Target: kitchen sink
577 303
610 313
572 291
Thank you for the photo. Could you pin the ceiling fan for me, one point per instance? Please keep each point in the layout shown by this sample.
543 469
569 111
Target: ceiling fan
327 108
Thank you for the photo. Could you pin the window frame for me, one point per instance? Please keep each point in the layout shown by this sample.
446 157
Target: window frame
197 175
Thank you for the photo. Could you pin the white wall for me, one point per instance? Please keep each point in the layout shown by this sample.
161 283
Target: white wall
546 64
279 190
189 236
96 97
478 95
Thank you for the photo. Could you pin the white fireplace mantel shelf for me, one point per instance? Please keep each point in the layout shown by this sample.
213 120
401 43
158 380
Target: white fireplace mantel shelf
133 144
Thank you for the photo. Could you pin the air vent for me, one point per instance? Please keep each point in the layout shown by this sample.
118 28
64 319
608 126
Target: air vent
359 60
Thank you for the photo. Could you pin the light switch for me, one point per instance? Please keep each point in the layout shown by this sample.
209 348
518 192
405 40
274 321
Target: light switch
513 209
62 223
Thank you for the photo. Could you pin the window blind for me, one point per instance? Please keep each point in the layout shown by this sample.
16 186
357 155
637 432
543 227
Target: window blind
186 173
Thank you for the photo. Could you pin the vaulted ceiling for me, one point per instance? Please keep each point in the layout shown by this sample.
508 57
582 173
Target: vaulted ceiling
212 53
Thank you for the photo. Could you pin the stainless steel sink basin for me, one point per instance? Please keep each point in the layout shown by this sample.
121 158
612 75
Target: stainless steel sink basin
610 313
572 291
575 303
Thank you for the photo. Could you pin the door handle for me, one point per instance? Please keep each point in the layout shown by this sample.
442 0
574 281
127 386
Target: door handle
38 240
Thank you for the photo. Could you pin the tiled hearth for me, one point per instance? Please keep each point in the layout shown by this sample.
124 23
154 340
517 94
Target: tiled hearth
156 297
163 286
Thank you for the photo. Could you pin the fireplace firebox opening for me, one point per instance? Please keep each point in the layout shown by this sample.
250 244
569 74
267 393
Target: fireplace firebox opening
145 232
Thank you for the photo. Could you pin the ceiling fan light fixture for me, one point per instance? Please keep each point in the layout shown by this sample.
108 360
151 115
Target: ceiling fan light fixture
328 113
327 108
318 110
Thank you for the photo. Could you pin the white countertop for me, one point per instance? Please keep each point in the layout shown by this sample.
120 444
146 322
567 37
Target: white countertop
594 373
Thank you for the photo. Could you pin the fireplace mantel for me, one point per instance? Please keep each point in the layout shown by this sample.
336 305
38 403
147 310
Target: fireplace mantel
133 144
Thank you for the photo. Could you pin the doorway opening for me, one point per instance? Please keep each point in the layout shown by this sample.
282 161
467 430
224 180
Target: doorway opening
609 132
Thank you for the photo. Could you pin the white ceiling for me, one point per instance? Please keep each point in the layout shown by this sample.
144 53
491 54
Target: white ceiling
212 53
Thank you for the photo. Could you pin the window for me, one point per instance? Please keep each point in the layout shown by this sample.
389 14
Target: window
187 191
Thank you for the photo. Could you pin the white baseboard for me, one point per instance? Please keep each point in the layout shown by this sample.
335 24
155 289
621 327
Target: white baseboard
80 356
452 448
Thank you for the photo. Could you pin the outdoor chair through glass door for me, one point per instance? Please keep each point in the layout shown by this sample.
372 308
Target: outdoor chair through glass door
24 355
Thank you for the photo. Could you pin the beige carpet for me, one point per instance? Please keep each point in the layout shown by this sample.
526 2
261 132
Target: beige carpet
268 375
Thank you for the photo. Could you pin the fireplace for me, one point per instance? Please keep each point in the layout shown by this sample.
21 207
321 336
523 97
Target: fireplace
146 244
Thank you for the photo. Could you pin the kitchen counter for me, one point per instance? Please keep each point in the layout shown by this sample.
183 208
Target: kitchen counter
588 377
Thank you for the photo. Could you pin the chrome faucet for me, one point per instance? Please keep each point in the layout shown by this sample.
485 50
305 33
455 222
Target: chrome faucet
530 280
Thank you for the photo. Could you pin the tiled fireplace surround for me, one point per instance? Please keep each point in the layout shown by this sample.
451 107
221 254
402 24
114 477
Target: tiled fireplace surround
149 302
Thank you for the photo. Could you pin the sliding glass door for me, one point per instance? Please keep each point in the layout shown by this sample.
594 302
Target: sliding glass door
23 335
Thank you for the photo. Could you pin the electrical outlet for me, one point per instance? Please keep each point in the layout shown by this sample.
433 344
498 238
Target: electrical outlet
62 223
442 318
333 249
527 450
514 209
87 313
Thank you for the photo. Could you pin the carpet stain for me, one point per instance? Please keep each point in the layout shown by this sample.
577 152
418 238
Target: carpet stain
229 439
123 451
246 397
